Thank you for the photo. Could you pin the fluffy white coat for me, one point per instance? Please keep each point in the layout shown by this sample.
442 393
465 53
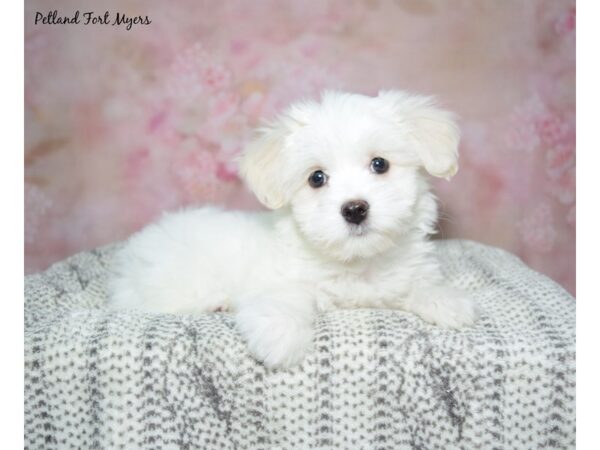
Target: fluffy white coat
276 270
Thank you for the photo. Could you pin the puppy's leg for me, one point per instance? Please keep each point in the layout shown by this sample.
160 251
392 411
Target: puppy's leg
278 326
442 305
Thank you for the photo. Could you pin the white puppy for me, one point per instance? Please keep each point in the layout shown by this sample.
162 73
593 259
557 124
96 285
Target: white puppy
353 213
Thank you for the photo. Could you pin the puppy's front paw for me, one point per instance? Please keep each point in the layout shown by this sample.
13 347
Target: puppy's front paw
276 334
446 307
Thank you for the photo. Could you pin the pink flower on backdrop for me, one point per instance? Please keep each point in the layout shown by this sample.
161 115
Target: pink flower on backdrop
559 159
551 128
215 77
523 131
238 46
195 172
194 73
563 189
156 120
227 171
565 24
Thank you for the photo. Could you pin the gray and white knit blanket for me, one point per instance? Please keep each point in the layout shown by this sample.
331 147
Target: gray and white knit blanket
96 378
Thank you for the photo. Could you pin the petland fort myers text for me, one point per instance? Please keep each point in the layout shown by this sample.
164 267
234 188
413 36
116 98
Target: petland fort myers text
91 18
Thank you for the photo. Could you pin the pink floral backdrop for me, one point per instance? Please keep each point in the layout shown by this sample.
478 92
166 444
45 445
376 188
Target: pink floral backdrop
123 124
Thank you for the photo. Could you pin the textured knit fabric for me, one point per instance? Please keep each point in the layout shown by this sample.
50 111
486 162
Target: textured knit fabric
96 378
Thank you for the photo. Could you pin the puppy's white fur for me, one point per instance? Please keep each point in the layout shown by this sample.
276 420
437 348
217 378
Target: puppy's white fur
277 269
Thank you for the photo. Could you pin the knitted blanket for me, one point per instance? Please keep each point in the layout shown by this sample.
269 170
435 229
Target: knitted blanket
96 378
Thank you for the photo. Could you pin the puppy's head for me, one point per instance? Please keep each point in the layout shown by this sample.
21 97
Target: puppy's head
352 168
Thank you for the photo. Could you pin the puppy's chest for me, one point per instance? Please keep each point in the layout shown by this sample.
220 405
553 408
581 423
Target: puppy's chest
365 288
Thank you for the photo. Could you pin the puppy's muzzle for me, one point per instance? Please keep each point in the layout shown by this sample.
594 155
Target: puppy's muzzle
355 211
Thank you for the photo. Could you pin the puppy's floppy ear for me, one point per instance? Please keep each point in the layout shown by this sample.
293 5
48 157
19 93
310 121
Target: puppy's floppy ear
433 132
262 163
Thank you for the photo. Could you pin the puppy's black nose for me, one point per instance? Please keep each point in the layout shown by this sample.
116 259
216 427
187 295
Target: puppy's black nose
355 211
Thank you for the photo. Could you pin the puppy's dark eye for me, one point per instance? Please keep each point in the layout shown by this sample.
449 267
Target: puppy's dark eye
317 179
379 165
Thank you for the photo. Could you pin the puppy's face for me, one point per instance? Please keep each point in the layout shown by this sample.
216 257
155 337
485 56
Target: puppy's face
350 168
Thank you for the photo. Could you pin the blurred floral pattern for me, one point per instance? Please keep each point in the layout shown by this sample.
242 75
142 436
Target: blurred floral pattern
124 124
